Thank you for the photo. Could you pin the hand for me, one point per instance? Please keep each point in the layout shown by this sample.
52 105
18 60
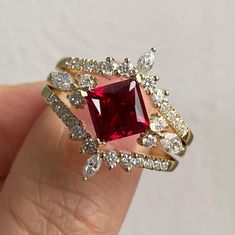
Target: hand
44 192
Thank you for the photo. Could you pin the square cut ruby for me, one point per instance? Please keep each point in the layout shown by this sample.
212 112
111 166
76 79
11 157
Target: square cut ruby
117 110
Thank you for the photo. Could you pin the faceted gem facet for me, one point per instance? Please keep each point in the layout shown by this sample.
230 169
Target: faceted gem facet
76 99
146 61
172 143
86 81
91 166
117 110
111 158
61 80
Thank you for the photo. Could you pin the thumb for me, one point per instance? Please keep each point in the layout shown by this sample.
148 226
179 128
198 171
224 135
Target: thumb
45 193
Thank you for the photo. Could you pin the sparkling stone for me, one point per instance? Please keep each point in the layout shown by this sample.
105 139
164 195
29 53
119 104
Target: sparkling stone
171 114
125 69
117 110
148 140
76 99
89 145
91 166
86 81
90 65
165 107
61 80
148 163
164 165
158 96
140 161
78 131
146 61
111 158
74 63
178 122
172 143
149 83
65 116
183 130
109 67
127 161
158 123
157 165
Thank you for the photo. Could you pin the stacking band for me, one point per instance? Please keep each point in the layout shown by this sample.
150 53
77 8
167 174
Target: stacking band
164 129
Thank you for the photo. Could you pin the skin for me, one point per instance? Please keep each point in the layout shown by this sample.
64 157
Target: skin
43 192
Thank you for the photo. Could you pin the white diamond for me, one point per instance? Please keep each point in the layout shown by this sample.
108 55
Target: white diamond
61 80
158 123
149 83
90 65
86 81
109 67
172 143
171 114
140 161
126 68
158 96
146 61
89 145
149 140
184 129
165 107
91 166
111 158
127 161
164 165
76 99
157 165
148 163
78 131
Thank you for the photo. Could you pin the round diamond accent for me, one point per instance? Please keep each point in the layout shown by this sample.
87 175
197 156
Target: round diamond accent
89 146
91 166
127 161
149 83
109 67
148 140
158 96
111 159
78 131
76 99
61 80
125 69
158 123
86 81
172 143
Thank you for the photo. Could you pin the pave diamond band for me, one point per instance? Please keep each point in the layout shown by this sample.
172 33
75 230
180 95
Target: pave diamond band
118 110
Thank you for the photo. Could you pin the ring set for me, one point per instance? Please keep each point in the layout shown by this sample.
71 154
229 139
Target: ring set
125 107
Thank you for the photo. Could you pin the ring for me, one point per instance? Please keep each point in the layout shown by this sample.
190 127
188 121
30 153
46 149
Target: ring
123 108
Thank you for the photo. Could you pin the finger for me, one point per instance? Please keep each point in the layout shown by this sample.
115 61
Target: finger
19 107
45 194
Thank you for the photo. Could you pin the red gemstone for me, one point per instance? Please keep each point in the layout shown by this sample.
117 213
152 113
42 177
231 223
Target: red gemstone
117 110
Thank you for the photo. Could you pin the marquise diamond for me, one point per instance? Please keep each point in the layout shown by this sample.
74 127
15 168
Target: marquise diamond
61 80
146 61
91 166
